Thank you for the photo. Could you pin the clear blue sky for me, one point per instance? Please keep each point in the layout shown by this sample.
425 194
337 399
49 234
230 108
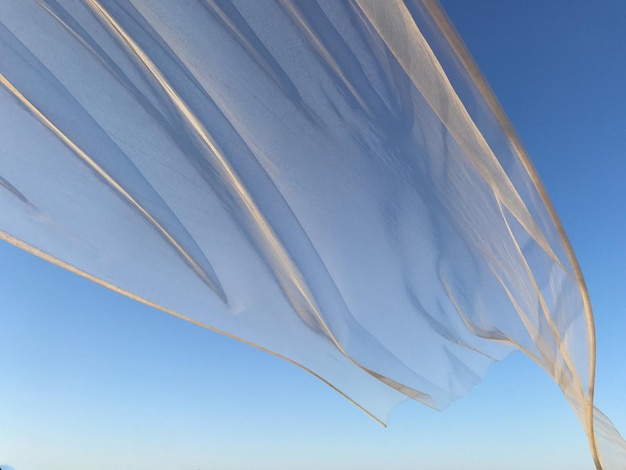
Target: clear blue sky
89 379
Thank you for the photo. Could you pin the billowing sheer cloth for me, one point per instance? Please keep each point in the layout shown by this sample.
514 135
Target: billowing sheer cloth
332 182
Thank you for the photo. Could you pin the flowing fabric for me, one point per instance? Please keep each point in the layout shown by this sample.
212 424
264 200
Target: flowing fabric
332 182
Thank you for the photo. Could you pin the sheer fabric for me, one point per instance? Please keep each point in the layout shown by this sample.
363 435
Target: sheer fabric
332 182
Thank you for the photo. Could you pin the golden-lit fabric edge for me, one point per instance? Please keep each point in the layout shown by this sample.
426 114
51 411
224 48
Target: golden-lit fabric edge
62 264
45 121
459 47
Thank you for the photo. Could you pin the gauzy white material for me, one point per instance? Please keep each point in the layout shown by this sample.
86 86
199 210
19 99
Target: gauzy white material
331 181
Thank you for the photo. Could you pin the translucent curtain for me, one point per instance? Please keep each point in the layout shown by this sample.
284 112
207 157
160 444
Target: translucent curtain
332 182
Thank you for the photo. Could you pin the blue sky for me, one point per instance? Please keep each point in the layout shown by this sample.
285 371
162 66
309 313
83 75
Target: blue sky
93 380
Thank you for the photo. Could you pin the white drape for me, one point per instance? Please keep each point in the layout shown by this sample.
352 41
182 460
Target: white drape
330 181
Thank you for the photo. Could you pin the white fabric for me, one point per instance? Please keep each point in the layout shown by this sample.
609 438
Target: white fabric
329 181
